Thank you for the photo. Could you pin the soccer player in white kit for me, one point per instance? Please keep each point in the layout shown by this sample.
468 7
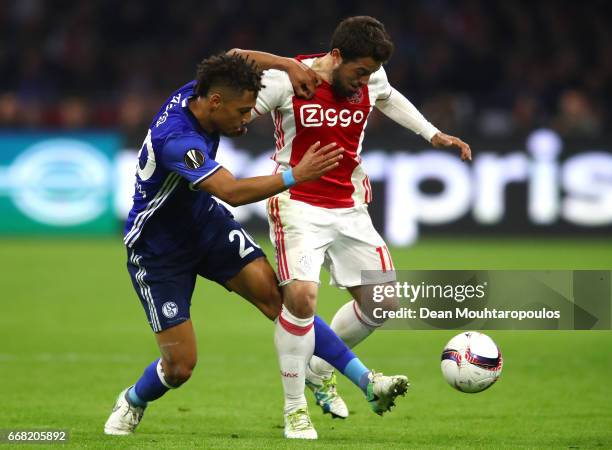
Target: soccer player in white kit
326 222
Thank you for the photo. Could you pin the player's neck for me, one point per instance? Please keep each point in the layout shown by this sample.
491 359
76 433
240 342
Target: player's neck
198 112
324 66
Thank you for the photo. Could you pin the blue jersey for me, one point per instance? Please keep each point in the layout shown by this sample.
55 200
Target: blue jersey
177 155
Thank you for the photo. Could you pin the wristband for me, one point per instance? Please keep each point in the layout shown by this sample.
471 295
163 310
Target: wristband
288 179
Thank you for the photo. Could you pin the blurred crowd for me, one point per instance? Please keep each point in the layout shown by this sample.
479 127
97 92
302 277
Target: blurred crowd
496 68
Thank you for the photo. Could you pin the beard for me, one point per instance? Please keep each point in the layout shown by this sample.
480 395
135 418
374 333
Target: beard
339 89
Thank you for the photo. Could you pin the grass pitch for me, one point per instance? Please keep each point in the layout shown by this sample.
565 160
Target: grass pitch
73 334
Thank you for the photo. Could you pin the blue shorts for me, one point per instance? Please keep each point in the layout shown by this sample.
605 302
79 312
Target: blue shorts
165 283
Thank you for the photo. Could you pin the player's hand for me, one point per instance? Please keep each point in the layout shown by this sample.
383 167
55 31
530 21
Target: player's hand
441 140
303 79
317 161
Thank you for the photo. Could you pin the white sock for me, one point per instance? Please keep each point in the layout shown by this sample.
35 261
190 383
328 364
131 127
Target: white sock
294 340
352 326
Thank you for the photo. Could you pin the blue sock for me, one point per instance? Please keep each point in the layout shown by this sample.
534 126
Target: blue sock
134 399
358 374
329 347
148 388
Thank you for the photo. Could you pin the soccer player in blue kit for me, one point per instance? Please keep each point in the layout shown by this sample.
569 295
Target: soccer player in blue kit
176 230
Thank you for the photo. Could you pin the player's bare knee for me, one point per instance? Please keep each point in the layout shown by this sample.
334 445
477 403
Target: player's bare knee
390 304
368 305
301 299
387 304
303 310
178 373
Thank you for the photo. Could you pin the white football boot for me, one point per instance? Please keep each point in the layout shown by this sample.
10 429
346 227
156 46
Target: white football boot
299 426
326 394
383 390
124 418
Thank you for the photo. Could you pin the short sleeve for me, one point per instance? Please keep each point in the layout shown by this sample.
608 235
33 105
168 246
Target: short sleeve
277 88
189 156
380 85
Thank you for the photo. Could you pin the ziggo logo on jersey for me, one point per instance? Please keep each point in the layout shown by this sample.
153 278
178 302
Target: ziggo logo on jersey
315 116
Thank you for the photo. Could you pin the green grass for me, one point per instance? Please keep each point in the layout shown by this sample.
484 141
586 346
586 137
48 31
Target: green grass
72 334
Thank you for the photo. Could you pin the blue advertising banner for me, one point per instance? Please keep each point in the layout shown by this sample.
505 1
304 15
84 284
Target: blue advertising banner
57 183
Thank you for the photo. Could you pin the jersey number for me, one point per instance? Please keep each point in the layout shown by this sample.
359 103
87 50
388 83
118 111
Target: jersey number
146 167
241 234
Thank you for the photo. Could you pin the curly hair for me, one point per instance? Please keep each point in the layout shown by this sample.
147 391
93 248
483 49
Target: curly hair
360 37
226 70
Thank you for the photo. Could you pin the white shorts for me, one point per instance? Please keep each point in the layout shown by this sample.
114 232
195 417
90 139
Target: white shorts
343 240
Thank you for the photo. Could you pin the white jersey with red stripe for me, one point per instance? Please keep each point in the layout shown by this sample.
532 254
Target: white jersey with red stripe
327 118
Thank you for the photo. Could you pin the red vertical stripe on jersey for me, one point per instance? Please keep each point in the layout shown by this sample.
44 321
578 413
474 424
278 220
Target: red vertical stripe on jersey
365 187
276 239
280 128
282 241
382 258
368 189
270 206
276 130
389 256
279 266
279 263
283 268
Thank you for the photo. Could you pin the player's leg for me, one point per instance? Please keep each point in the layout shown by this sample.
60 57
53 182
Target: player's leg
178 358
359 248
300 235
257 283
177 346
381 391
174 334
353 324
299 256
234 260
300 303
293 337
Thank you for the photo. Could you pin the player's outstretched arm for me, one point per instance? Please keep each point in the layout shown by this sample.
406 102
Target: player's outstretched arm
316 161
399 109
303 79
442 140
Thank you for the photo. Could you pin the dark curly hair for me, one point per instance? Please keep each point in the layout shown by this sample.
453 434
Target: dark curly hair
360 37
231 71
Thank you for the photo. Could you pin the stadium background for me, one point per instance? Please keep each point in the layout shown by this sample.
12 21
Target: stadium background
527 84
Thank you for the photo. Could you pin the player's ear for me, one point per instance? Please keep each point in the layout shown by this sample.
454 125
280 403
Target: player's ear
214 100
336 57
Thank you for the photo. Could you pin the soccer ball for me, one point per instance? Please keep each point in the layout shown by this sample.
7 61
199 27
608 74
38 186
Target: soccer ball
471 362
